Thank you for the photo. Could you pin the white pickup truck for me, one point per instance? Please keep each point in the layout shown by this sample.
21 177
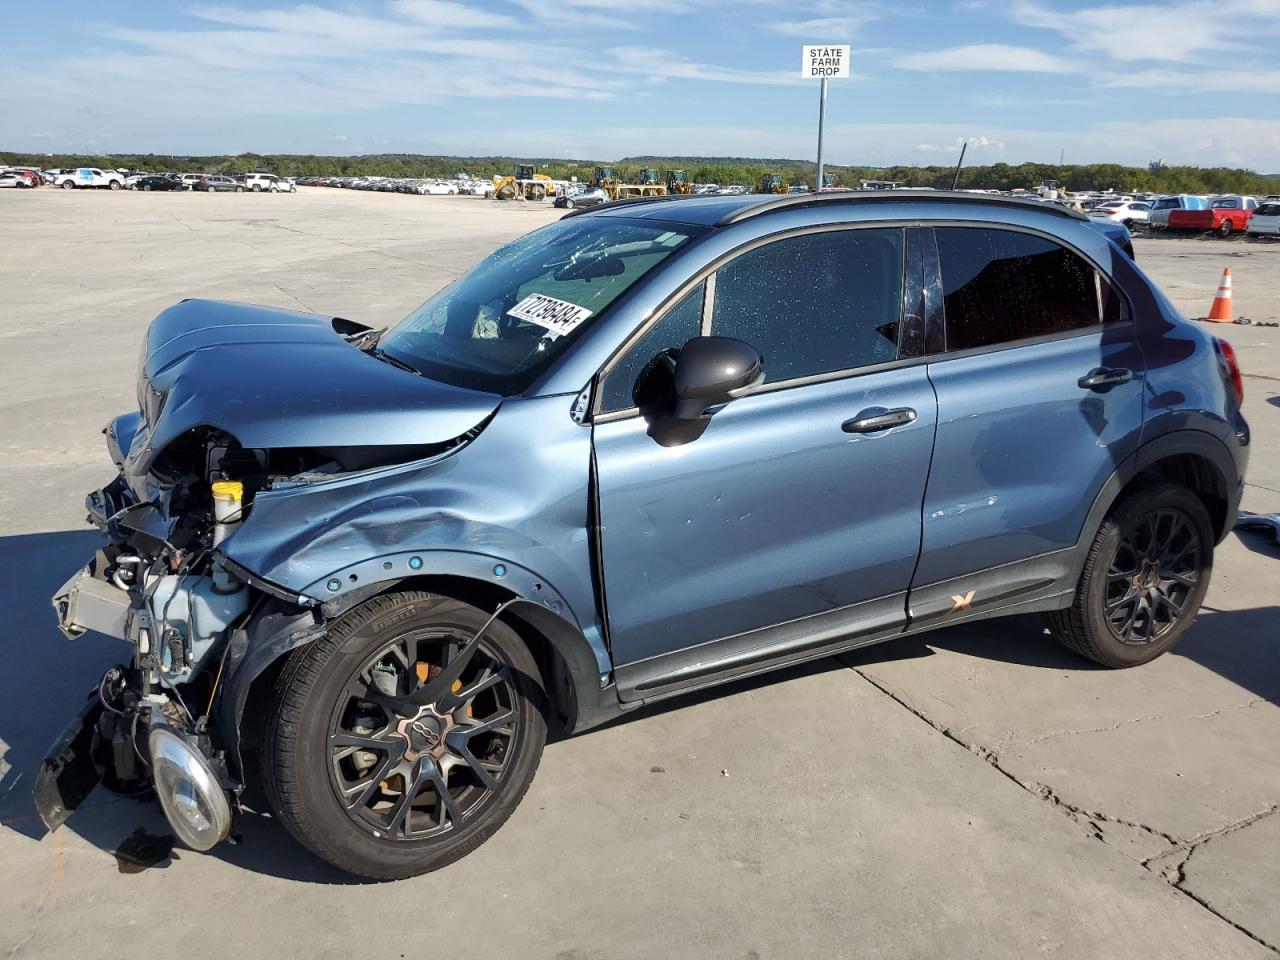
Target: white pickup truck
258 182
88 177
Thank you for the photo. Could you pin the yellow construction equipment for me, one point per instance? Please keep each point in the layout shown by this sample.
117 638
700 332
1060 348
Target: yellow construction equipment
771 183
607 180
678 183
646 185
527 184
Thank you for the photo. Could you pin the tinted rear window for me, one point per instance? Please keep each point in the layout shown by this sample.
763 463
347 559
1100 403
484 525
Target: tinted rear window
1000 286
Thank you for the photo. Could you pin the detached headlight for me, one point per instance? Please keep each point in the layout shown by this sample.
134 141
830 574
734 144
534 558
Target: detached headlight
194 802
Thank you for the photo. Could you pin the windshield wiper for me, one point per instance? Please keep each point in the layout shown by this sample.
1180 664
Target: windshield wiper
394 361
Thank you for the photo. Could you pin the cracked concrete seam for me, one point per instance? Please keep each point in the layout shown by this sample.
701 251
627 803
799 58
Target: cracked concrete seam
1092 818
1124 723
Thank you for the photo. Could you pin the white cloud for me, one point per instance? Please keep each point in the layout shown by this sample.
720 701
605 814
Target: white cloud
987 56
665 64
1186 31
820 29
458 16
1196 81
977 143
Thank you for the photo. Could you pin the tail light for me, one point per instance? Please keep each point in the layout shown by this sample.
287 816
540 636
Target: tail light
1230 368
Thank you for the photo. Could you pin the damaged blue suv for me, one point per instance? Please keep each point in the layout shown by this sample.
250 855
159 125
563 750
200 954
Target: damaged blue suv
652 447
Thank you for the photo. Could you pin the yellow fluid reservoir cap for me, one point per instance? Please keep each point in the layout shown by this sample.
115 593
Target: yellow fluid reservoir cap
228 490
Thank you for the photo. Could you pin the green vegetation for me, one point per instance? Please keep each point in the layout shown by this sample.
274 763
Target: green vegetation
722 170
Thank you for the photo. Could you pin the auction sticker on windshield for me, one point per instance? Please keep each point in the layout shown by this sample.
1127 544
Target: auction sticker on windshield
556 316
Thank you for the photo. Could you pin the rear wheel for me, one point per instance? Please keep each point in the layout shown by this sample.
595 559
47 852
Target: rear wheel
386 791
1143 580
1224 230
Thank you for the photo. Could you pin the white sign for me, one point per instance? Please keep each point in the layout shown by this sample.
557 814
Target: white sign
824 61
558 317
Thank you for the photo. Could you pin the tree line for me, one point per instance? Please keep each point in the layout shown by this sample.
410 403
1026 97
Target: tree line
1156 178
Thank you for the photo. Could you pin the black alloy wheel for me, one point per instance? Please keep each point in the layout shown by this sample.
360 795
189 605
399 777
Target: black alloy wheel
1143 580
421 774
1153 574
378 784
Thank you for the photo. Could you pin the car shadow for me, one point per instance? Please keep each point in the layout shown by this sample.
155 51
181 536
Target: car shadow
44 679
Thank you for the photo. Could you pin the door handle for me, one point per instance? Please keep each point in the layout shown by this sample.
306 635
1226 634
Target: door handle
880 421
1105 378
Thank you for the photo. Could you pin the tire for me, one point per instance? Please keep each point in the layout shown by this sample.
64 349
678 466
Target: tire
256 188
304 776
114 184
569 204
273 189
239 189
68 185
1119 577
146 187
1225 228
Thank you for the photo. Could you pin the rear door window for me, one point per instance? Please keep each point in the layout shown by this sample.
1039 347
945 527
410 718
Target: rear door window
1000 286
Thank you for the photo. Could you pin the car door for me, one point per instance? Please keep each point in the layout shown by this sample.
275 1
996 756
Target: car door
787 525
1039 399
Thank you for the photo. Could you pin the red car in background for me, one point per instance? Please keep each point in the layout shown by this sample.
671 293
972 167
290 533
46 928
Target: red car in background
32 177
1225 216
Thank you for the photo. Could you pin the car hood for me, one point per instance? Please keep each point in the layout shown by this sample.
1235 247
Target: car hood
277 379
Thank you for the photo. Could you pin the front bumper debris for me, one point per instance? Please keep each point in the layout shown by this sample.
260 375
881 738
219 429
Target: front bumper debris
68 773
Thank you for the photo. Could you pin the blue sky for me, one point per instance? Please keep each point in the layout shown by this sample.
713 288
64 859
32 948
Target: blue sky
1187 81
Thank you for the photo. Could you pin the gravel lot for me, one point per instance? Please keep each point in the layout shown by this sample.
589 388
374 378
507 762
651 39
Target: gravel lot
976 791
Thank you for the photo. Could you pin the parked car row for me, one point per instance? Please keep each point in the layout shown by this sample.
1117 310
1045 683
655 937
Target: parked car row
426 186
1222 216
97 178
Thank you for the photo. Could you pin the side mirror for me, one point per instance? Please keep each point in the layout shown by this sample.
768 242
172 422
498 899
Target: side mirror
714 370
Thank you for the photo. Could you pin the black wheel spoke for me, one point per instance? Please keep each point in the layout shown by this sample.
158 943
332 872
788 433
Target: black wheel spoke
398 821
448 805
431 714
1117 604
359 794
346 743
483 771
492 724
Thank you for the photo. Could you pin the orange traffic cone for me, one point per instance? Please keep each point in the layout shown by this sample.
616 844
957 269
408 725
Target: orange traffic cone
1221 309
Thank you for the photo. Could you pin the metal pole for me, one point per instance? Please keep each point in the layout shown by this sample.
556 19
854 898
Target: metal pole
959 163
822 119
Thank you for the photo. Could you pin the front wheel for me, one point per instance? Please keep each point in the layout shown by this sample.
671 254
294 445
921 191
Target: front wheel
1144 578
68 185
383 790
1225 229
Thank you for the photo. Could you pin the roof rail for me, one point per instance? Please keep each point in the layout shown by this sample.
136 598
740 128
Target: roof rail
628 201
788 201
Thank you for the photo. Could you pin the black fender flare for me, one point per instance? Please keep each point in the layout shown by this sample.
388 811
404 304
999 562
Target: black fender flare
1178 442
276 626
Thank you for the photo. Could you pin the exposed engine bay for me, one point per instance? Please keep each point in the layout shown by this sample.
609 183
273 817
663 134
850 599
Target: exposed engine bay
159 585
